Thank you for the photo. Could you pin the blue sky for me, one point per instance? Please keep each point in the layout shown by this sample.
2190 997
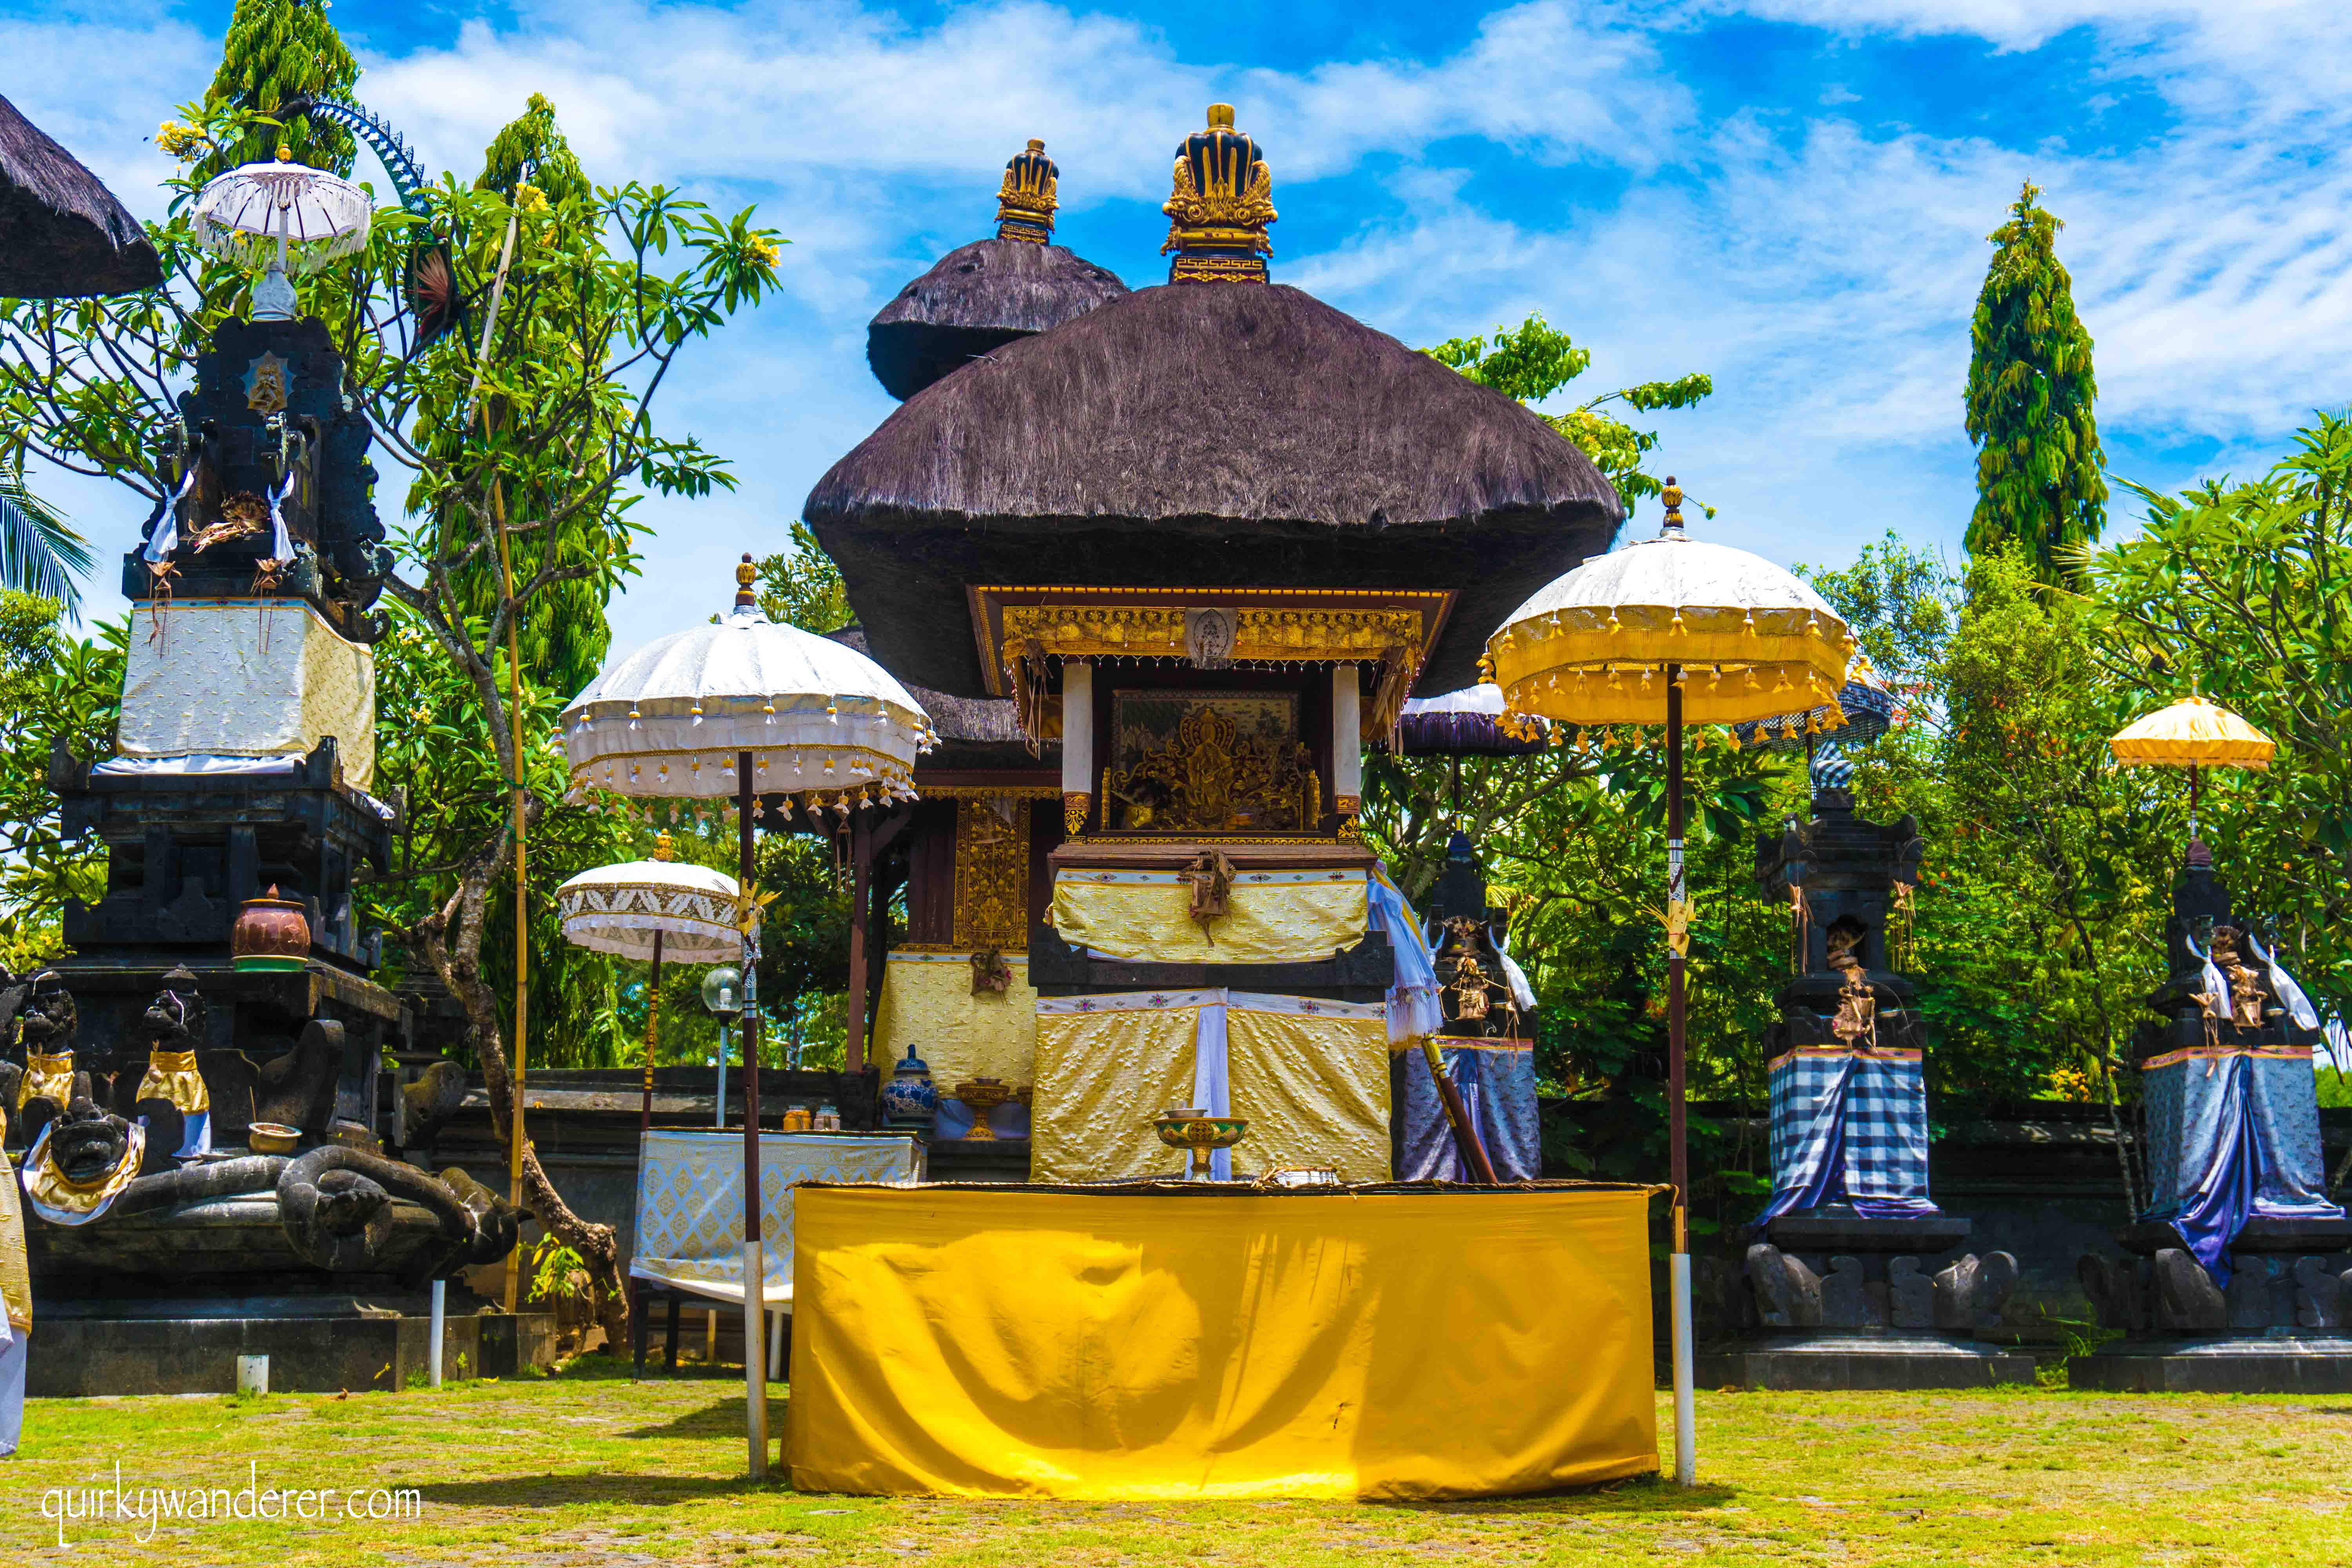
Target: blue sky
1789 194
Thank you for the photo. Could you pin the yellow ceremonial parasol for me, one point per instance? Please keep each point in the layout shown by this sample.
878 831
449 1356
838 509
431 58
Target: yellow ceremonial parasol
2195 735
1669 631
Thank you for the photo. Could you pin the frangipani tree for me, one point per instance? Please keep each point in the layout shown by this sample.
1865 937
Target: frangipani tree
541 430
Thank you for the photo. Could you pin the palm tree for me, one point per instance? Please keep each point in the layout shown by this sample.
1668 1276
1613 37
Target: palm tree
39 553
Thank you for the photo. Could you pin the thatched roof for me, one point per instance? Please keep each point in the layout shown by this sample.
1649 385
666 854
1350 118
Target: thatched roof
62 233
978 298
1204 435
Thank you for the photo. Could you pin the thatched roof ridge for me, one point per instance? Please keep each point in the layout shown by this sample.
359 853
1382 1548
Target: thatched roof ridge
1205 435
988 720
62 233
975 299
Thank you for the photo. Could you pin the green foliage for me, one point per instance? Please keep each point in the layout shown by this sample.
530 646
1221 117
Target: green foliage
2245 590
53 687
278 51
564 635
801 586
531 151
1533 359
39 552
557 1274
2030 393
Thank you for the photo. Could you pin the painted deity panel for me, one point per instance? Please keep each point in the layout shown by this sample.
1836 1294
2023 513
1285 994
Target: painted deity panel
1210 762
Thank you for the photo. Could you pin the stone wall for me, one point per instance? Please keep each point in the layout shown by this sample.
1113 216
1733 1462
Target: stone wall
2045 1187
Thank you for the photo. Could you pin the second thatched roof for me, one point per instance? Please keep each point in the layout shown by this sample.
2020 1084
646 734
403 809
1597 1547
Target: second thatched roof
62 233
978 298
1204 435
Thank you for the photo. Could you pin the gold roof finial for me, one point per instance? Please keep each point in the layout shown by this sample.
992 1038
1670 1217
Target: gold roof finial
1026 201
1221 201
1673 496
664 848
745 575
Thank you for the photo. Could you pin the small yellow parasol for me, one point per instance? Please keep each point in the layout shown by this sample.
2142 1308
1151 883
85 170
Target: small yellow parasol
1669 631
2195 735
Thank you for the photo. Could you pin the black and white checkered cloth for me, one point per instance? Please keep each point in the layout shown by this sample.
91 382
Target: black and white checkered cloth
1849 1126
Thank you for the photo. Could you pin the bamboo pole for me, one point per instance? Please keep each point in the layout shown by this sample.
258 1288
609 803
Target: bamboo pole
516 790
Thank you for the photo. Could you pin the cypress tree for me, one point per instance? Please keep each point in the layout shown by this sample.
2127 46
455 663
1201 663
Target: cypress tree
2029 402
277 50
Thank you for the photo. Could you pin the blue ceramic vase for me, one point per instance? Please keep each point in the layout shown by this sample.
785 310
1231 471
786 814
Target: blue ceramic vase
910 1100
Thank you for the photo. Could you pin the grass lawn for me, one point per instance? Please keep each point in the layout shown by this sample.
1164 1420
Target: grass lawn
588 1467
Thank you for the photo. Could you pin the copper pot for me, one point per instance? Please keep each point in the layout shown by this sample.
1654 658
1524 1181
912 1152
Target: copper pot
270 933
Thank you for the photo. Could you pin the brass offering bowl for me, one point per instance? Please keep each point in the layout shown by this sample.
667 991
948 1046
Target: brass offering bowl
1194 1129
272 1138
983 1095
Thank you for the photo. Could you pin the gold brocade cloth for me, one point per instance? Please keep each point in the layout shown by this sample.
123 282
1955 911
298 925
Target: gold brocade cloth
963 1342
1313 1086
61 1201
46 1077
928 1003
172 1075
15 1278
1102 1076
1276 916
1311 1077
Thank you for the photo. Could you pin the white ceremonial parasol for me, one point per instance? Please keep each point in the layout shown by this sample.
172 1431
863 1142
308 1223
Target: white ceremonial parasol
633 909
285 215
745 708
1667 631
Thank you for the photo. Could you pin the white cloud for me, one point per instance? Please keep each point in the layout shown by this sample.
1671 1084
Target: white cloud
1822 267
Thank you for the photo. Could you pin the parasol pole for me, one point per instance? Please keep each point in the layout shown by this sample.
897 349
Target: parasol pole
1679 1263
861 894
646 1115
755 1274
653 1021
2193 799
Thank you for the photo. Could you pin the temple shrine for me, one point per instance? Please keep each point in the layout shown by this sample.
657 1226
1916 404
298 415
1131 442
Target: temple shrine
1161 572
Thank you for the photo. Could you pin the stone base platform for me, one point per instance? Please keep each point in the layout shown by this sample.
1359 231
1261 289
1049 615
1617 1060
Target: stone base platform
2273 1362
315 1344
1861 1359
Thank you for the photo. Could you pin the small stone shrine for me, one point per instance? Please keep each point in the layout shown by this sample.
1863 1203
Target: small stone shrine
1841 1264
195 1092
2239 1277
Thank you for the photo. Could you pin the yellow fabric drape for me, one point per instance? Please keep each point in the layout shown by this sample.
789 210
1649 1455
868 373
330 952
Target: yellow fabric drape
172 1075
62 1201
928 1003
1408 1345
45 1077
15 1278
1102 1079
1315 1089
1276 917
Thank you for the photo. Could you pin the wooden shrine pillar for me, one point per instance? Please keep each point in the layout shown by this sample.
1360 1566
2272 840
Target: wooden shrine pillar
1347 746
1077 744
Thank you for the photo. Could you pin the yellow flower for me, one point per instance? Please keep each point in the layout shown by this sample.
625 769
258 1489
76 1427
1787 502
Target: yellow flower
181 141
762 250
530 199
